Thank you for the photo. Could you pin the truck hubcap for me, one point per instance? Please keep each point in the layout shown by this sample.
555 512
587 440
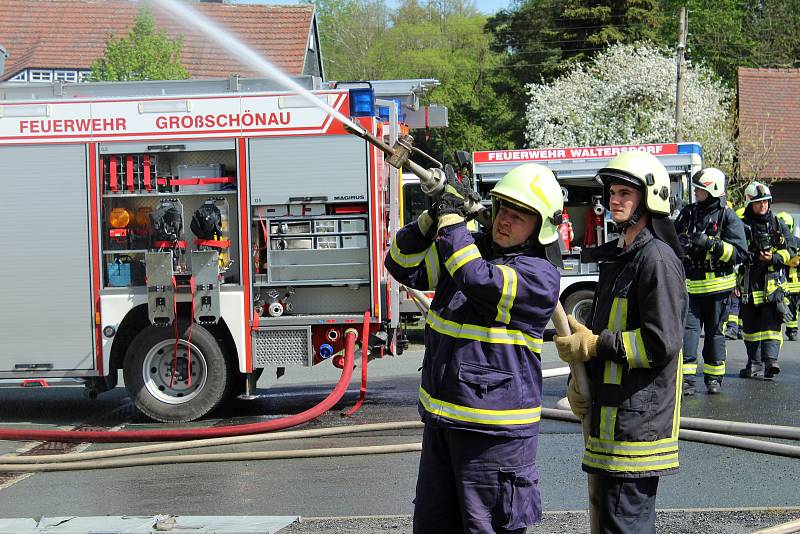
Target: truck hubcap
171 381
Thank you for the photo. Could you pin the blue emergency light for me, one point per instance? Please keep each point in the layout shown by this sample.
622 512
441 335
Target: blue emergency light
383 111
362 102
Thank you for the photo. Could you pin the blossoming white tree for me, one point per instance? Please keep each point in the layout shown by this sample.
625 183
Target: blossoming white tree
626 95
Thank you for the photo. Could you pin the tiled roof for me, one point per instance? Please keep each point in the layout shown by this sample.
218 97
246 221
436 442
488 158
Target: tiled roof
769 122
70 34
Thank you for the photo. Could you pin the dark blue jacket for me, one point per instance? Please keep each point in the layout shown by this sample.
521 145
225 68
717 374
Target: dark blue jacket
483 333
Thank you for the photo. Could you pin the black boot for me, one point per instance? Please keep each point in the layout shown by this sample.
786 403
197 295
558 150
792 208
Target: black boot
771 368
791 334
713 386
752 370
688 387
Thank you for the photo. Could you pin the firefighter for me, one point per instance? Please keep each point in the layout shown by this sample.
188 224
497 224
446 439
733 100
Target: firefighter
480 396
713 242
632 349
762 278
733 327
793 282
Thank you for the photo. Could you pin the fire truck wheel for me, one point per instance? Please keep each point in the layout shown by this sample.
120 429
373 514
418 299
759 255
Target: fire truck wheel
579 304
175 386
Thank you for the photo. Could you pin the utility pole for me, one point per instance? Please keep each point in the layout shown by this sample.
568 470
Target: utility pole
681 82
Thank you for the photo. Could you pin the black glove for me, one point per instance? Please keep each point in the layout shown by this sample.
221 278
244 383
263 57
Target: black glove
450 203
701 241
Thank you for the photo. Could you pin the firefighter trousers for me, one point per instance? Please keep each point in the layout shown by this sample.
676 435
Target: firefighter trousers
734 321
622 505
794 301
763 338
471 482
707 313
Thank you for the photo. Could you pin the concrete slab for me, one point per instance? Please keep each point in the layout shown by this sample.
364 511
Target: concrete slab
153 524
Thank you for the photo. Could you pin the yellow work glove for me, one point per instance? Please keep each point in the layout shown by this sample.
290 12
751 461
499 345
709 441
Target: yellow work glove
579 402
578 347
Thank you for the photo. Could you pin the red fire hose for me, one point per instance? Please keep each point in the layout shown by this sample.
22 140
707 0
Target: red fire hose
350 336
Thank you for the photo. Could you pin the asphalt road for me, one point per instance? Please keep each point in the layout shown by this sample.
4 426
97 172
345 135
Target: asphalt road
710 476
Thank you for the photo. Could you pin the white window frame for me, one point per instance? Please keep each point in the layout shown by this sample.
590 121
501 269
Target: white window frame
20 77
70 76
40 75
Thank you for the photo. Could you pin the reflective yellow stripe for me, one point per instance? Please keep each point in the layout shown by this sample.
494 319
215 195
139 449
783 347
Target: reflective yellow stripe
406 260
784 255
676 413
727 252
524 416
690 368
711 284
495 334
608 422
508 295
461 257
618 318
791 324
432 266
757 297
637 464
612 373
733 318
632 448
766 335
716 370
634 349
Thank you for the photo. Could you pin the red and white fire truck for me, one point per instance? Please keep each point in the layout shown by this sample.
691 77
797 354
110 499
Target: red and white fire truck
589 225
191 234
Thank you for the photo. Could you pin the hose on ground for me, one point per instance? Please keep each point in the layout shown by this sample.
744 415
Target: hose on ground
736 442
107 436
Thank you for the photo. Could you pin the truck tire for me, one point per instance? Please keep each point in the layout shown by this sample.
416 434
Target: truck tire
579 304
171 397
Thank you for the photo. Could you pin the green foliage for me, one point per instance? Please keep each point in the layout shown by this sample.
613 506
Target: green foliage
144 54
541 39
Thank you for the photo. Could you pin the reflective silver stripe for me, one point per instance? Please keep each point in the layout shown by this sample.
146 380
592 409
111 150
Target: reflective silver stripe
524 416
689 368
461 257
632 464
612 373
495 334
711 284
608 421
619 311
634 349
508 295
432 266
632 448
405 260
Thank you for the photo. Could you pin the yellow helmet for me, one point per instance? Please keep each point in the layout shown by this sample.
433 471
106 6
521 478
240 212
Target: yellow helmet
534 188
642 170
787 218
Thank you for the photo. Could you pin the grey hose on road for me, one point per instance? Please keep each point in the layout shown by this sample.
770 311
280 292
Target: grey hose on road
736 442
210 442
220 457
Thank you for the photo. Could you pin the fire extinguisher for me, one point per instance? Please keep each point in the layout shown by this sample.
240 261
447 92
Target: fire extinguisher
593 221
565 230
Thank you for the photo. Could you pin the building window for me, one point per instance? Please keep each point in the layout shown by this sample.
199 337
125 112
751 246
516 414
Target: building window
84 75
66 76
21 77
39 75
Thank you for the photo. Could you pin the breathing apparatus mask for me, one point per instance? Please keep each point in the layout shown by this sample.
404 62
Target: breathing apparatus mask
167 221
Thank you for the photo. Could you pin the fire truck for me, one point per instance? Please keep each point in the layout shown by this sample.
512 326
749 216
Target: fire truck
588 224
192 234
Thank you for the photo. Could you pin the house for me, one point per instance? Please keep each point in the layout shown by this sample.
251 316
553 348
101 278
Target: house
52 40
769 132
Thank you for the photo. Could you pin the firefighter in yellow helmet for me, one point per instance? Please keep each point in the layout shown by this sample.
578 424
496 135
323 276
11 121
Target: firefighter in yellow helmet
793 282
632 349
762 279
713 243
481 387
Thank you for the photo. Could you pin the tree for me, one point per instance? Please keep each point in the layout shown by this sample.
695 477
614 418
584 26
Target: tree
777 32
626 95
144 54
542 39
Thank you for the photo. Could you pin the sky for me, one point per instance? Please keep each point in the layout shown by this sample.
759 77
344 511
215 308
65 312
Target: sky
488 7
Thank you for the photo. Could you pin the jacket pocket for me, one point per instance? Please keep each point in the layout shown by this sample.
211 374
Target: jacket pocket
519 504
484 380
